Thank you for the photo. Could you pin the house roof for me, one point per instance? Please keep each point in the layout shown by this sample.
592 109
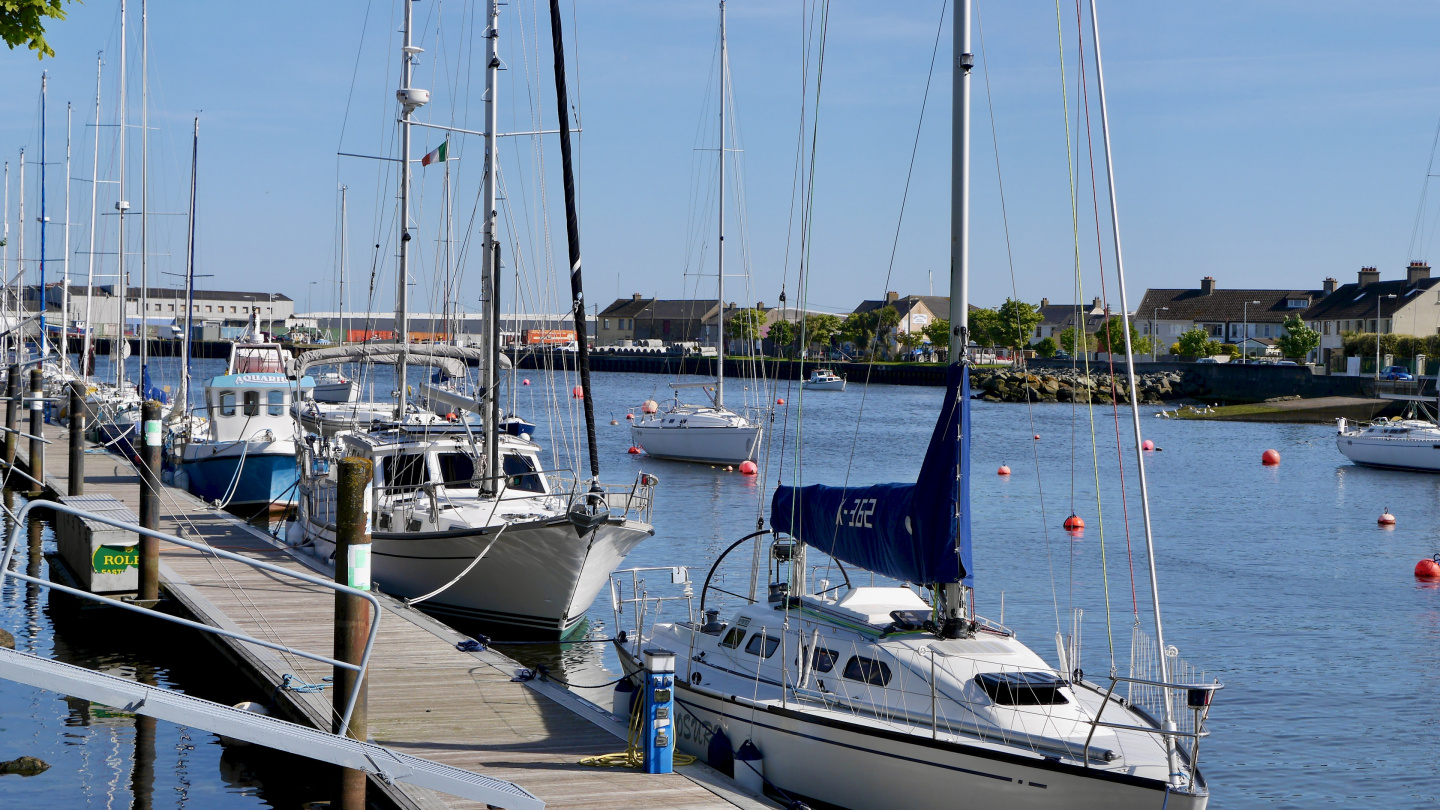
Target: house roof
939 305
1355 301
1223 305
660 308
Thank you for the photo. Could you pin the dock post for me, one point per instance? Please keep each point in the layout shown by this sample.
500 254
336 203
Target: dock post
352 614
150 501
12 413
77 438
37 428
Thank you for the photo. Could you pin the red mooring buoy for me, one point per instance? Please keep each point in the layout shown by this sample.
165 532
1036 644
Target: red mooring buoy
577 392
1428 570
1037 437
634 451
629 416
524 382
748 468
1270 458
1386 519
780 401
1147 445
1074 523
1003 470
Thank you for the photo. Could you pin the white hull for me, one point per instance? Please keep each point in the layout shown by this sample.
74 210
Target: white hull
712 445
1397 454
865 768
335 391
539 577
824 385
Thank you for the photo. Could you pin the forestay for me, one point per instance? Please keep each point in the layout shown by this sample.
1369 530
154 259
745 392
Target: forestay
910 532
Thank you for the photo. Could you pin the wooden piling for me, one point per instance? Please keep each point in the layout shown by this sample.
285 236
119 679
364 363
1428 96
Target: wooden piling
150 433
76 479
352 614
37 429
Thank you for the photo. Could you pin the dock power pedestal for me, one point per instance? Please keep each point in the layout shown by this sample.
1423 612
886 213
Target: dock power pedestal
659 732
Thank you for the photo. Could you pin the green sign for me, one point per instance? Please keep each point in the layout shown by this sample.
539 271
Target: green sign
115 559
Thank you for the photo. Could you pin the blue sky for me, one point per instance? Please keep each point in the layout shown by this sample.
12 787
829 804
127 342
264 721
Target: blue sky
1264 143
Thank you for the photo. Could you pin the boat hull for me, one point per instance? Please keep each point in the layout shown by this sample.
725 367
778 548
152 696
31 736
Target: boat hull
865 768
1397 454
707 445
824 385
269 475
335 391
536 580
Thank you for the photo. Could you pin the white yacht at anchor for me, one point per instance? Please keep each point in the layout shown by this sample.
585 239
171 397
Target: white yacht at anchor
823 379
1399 444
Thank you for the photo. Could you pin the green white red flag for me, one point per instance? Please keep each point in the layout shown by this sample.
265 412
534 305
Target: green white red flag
438 156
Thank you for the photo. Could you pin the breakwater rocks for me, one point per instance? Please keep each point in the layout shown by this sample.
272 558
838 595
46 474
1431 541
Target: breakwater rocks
1066 385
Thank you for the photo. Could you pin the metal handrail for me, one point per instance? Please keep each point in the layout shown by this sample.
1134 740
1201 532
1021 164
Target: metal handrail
361 668
1167 733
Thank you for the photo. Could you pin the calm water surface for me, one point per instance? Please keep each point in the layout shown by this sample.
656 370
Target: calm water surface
1276 580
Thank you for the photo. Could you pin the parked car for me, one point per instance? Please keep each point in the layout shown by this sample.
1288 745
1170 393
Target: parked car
1207 360
1396 373
1060 354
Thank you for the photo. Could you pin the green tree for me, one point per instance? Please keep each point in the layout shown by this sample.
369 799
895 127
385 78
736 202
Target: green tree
1195 343
984 327
821 329
938 331
1299 339
858 328
1047 347
744 324
1068 341
22 22
1113 334
910 341
1017 322
782 334
886 319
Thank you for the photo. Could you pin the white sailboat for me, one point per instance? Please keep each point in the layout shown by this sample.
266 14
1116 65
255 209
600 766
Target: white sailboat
708 433
1399 444
467 522
874 697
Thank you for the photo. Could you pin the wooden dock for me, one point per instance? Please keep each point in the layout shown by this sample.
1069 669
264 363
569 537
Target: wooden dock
426 698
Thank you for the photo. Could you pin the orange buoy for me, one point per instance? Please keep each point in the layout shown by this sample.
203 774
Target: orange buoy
577 392
1386 519
634 451
748 468
1428 569
629 416
1074 523
1147 445
780 401
649 406
524 382
1270 458
1037 437
1003 470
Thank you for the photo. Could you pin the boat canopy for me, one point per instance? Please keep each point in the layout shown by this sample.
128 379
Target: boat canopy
451 359
916 532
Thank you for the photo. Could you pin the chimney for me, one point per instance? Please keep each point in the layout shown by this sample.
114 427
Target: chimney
1368 275
634 296
1207 285
1329 285
759 304
892 297
1095 305
1417 271
1044 302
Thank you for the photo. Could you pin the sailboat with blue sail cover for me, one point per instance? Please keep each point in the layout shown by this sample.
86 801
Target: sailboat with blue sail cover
901 695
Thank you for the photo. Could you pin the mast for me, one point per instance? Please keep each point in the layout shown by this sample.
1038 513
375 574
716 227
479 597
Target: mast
65 263
490 288
144 192
344 328
410 100
1168 718
87 345
572 223
5 244
720 244
44 344
122 282
20 270
183 401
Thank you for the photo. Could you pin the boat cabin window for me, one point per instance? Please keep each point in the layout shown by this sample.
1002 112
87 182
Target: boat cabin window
227 403
732 638
771 645
276 406
456 468
1023 688
252 403
522 473
867 670
824 660
258 360
404 472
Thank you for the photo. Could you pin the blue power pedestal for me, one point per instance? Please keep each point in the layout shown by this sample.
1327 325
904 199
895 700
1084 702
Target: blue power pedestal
659 731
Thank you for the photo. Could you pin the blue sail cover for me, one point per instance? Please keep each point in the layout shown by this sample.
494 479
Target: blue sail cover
911 532
149 390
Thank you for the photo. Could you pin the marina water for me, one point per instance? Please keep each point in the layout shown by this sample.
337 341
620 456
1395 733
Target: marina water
1276 580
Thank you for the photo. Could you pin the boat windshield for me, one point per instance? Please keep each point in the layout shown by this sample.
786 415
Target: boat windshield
522 473
258 360
456 468
404 472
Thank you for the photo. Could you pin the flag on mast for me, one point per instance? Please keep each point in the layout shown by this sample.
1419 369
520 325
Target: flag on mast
437 156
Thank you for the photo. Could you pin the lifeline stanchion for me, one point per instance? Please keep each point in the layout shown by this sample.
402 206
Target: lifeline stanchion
12 412
77 438
150 501
37 428
352 616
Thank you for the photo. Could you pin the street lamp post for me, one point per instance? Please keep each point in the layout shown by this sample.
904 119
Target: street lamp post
1245 329
1378 299
1153 339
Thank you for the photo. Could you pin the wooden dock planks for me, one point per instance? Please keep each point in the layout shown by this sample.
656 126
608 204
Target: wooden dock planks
425 698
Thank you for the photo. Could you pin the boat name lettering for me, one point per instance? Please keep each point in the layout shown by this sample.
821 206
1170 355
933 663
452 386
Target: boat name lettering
693 730
246 379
